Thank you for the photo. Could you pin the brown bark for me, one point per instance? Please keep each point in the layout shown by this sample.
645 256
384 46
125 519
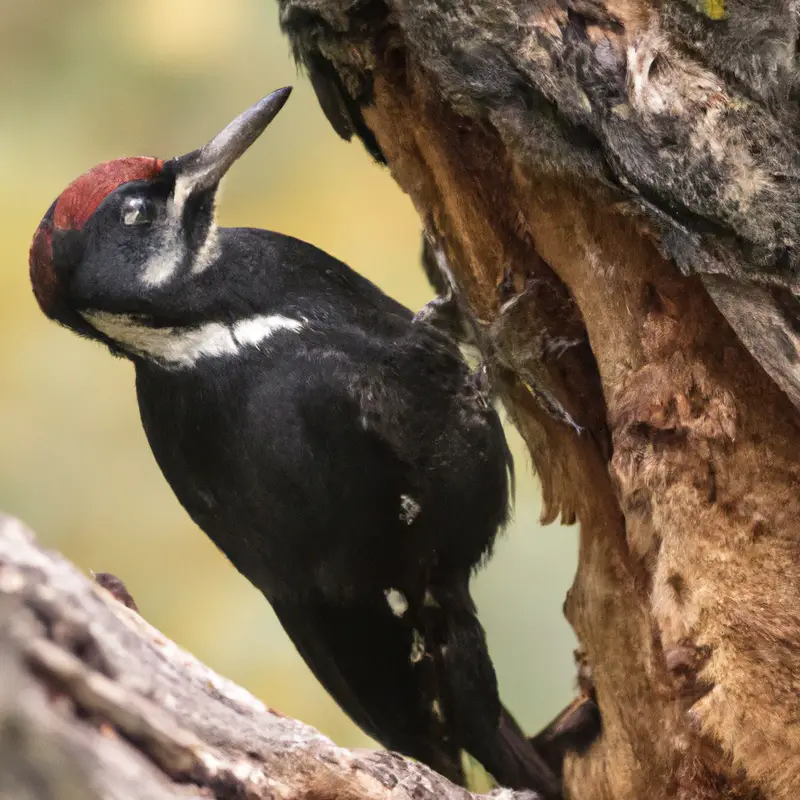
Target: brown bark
625 171
95 703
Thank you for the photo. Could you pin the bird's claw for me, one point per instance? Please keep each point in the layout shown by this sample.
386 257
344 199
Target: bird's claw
479 386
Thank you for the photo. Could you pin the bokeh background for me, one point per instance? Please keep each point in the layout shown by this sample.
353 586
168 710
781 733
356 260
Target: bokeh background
82 81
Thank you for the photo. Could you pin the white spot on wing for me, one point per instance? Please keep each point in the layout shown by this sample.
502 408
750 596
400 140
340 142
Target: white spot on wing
397 601
183 347
255 330
417 647
409 508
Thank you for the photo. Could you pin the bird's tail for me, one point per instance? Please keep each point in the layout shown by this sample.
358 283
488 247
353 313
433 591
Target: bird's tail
515 762
472 706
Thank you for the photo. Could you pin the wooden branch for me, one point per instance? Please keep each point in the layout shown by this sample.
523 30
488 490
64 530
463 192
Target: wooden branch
619 164
95 703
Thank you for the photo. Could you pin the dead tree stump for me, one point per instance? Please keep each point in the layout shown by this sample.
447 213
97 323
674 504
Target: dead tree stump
629 171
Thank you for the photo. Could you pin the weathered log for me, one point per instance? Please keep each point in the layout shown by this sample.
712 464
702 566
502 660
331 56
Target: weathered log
97 704
631 168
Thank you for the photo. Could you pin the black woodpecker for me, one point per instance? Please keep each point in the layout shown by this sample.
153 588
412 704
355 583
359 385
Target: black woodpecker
332 447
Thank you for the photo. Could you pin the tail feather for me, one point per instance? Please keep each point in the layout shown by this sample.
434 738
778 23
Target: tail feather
472 707
516 763
429 705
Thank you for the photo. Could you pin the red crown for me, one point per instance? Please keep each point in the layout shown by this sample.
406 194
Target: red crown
72 210
80 199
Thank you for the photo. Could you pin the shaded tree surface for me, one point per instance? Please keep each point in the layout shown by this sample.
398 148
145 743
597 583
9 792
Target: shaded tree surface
614 190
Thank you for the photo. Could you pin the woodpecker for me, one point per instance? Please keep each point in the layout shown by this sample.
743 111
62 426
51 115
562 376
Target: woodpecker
334 448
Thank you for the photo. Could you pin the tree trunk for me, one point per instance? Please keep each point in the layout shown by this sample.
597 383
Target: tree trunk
627 174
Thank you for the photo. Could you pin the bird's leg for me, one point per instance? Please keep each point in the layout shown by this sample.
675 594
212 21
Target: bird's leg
506 290
449 315
478 388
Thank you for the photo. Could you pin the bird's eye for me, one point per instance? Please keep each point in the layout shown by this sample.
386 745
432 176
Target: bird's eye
137 211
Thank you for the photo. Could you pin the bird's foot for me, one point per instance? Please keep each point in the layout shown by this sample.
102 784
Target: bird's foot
478 387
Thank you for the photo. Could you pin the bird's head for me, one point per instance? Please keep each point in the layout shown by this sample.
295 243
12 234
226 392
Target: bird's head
120 233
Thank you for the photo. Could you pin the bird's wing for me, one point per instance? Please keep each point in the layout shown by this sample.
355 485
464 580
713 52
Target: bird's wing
391 631
369 660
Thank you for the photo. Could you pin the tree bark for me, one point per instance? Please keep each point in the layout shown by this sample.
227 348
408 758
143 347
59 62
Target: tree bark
96 704
628 171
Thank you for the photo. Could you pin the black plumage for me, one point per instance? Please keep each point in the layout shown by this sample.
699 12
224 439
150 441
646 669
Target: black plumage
333 447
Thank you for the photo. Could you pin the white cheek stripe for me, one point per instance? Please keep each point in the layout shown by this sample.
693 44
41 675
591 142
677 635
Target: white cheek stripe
183 347
170 251
180 194
162 267
208 252
167 257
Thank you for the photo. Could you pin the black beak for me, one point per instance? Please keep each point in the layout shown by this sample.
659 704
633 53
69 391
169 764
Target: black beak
201 169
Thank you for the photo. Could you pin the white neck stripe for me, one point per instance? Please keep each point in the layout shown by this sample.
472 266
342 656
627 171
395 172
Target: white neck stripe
183 347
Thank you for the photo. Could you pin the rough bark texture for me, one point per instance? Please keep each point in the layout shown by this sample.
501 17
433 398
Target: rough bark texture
95 704
634 169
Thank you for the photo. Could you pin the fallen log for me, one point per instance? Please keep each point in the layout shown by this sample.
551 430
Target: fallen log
96 704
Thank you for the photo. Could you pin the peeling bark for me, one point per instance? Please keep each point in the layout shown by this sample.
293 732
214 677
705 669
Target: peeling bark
96 704
637 178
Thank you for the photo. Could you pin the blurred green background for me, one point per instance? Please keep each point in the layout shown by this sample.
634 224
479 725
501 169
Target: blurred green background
82 81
